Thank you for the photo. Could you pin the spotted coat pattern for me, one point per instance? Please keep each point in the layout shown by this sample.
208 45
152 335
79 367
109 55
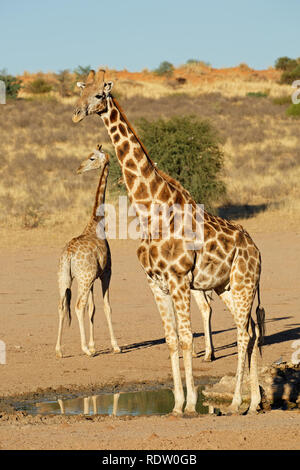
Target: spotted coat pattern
228 262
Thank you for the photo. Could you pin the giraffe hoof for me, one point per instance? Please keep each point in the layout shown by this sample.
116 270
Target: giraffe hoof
190 414
233 410
209 358
59 354
116 350
87 352
252 411
177 413
92 351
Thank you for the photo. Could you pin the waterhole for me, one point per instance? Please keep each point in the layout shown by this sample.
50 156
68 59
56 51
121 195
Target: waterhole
150 402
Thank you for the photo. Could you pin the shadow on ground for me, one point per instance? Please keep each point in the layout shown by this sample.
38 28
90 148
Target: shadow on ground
241 211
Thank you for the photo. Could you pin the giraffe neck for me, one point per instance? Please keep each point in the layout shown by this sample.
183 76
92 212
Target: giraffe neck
144 182
99 202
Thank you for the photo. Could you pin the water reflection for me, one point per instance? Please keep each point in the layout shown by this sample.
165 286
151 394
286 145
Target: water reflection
117 404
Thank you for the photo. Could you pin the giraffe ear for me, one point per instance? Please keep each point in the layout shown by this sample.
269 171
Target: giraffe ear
107 87
91 76
80 85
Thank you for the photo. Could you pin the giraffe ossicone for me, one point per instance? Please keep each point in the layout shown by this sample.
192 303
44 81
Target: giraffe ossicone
228 262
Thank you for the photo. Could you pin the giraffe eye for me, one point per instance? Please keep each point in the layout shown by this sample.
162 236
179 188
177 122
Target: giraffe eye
99 97
92 158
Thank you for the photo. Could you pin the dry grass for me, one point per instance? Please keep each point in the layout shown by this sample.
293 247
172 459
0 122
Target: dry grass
41 148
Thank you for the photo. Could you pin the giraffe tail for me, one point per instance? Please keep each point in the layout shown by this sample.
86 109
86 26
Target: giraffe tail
260 316
65 281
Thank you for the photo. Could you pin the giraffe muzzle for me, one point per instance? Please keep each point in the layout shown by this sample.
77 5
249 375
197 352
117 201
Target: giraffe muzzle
78 115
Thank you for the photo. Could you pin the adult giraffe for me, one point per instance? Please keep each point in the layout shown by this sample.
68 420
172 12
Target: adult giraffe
228 261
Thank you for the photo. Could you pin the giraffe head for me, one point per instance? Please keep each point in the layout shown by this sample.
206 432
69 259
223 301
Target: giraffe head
93 98
97 159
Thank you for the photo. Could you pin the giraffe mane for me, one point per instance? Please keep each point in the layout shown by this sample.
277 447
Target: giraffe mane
167 178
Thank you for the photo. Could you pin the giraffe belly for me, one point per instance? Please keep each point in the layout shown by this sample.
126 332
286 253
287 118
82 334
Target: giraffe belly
210 276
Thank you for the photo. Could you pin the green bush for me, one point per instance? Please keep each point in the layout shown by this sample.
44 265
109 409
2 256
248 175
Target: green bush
198 62
293 110
289 76
257 94
285 63
187 149
82 72
39 85
165 68
12 85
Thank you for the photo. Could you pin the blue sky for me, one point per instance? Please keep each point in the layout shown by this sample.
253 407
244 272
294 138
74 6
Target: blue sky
137 34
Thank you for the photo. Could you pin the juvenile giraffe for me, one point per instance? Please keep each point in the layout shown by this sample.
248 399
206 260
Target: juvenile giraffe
228 261
87 258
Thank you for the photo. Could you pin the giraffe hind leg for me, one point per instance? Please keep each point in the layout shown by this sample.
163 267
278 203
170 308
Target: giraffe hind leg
203 303
247 344
82 299
64 307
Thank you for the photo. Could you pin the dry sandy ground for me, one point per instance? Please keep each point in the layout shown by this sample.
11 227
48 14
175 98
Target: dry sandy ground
28 296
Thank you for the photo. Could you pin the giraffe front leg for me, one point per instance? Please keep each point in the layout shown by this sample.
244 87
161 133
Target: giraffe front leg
165 307
181 296
58 349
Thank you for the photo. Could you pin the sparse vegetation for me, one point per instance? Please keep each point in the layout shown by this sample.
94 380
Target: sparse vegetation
281 100
165 68
39 155
257 94
81 72
285 63
290 69
12 84
293 110
65 84
289 76
38 86
198 62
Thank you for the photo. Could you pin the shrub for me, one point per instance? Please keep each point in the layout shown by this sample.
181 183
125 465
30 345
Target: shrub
81 72
257 94
65 83
187 149
289 76
285 63
39 85
165 68
198 62
12 85
293 110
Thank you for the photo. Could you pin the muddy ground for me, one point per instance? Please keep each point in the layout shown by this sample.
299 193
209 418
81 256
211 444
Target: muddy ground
29 320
